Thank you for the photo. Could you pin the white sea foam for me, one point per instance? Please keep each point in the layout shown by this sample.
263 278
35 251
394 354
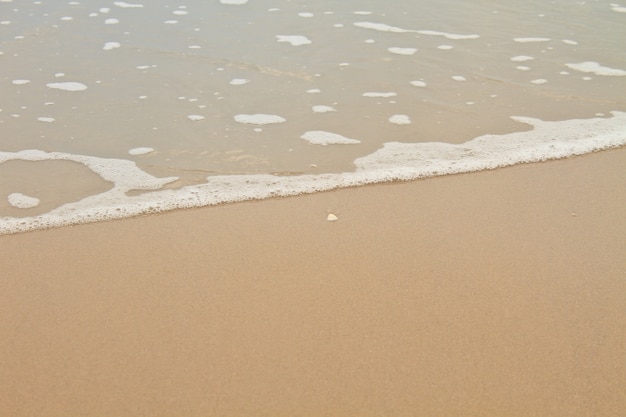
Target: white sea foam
140 151
295 40
418 83
382 27
394 161
453 36
374 94
239 81
46 119
22 201
195 117
595 68
111 21
527 40
323 109
20 82
125 5
259 119
539 81
522 58
400 119
402 51
320 137
234 2
458 78
68 86
111 45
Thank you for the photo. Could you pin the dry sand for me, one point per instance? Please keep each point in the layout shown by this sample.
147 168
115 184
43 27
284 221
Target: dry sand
499 293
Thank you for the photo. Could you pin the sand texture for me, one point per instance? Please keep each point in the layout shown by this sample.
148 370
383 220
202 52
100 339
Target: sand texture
499 293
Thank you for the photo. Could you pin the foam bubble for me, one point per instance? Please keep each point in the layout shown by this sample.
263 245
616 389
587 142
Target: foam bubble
314 91
402 51
195 117
238 81
522 68
259 119
458 78
125 5
381 27
526 40
234 2
418 83
539 81
374 94
68 86
323 109
22 201
445 47
400 119
453 36
295 40
522 58
617 8
111 45
596 68
320 137
20 82
46 119
569 42
140 151
306 14
111 21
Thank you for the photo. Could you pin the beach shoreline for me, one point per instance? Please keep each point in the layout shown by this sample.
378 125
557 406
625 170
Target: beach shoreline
488 293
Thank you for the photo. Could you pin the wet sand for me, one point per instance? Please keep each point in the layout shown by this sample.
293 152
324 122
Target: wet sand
498 293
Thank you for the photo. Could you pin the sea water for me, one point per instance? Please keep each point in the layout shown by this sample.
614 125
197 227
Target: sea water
110 109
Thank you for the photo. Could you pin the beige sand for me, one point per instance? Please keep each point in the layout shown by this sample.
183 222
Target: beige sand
491 294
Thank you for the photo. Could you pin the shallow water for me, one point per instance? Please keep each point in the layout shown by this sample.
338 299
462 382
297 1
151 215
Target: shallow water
177 87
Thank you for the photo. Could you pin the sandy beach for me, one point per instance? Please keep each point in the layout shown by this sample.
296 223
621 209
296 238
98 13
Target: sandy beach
498 293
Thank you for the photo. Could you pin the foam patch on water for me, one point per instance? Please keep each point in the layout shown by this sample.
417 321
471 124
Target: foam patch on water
382 27
238 81
22 201
234 2
111 45
259 119
125 5
320 137
400 119
374 94
46 119
140 151
522 58
595 68
418 83
402 51
20 82
295 40
323 109
195 117
527 40
68 86
393 162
